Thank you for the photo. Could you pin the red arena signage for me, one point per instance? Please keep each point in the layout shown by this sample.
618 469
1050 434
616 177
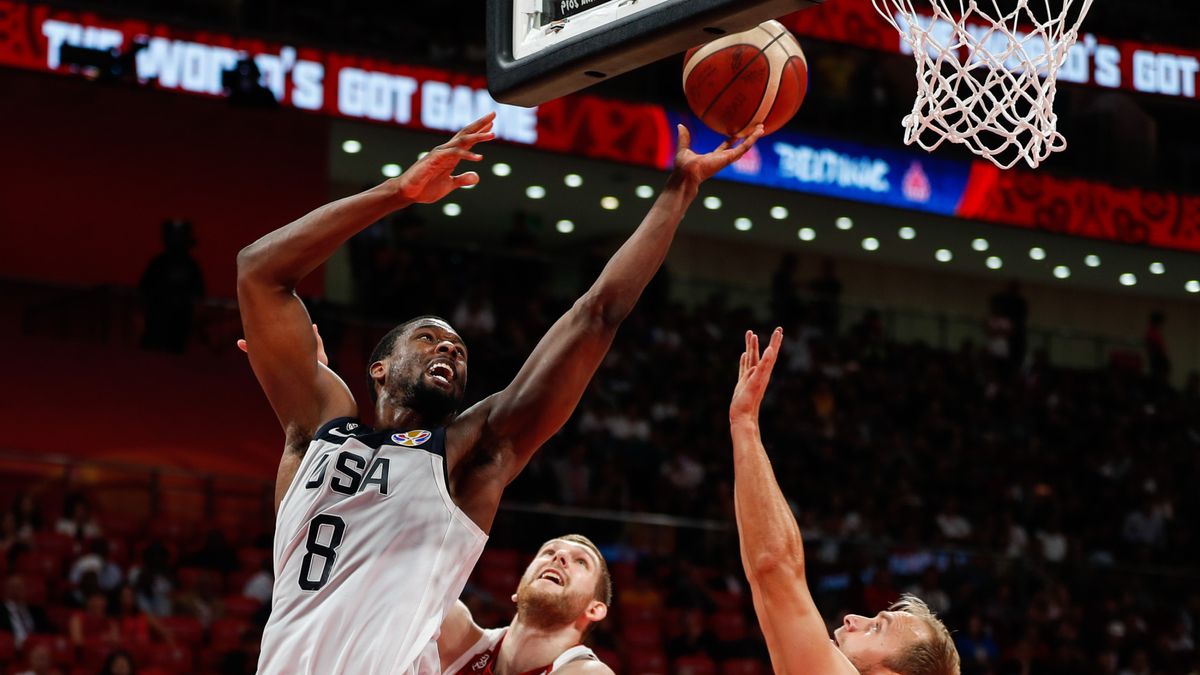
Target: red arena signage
32 37
1094 60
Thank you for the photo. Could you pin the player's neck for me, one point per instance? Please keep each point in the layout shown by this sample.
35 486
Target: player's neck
389 415
527 647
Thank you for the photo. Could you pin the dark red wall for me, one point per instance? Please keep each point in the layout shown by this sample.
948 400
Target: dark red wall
90 171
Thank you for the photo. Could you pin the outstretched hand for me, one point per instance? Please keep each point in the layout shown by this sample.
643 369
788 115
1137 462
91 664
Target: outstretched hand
431 178
699 168
754 372
322 357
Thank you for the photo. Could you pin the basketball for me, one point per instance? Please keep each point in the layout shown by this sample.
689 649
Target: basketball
743 79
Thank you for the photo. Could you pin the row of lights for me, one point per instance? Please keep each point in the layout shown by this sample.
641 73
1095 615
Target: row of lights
744 224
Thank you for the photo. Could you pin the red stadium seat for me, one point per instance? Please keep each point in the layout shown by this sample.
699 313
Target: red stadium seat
226 634
185 630
500 582
35 590
190 576
39 564
694 665
637 614
726 600
502 558
638 635
728 626
645 662
54 543
59 616
59 646
251 558
171 658
8 648
744 667
609 658
240 607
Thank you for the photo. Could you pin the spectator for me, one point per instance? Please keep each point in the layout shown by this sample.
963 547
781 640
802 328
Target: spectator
29 518
573 474
92 623
998 329
171 286
1145 525
260 585
1011 305
976 647
96 560
827 293
152 581
40 661
785 303
77 521
134 625
214 554
953 525
19 617
119 662
1156 347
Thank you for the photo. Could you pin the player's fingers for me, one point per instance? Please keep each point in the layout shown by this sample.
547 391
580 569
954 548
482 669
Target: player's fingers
466 155
685 138
465 179
478 124
243 346
484 136
748 143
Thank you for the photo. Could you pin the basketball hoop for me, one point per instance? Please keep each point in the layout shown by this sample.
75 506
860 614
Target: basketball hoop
986 77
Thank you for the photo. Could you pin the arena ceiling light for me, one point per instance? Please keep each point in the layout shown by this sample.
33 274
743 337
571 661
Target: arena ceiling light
351 146
573 180
565 226
1192 286
1062 271
501 169
609 203
806 234
712 202
844 223
451 209
535 192
779 212
1158 268
943 255
1039 253
870 244
908 233
390 170
743 224
1127 279
1091 260
980 244
994 262
644 191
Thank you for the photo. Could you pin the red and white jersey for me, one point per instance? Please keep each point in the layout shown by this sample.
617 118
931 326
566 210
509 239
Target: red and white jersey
370 553
480 659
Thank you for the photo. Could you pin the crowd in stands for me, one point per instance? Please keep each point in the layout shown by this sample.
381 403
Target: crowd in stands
1047 514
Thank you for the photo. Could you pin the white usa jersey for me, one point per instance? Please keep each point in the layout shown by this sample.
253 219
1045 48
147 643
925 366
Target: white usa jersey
370 552
480 659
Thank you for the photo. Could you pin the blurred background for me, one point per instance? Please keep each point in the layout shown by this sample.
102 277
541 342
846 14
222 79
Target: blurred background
988 393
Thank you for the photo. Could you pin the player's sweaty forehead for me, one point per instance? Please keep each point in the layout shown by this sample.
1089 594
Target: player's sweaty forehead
574 547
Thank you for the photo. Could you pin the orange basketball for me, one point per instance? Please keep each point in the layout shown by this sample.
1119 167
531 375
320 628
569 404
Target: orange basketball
743 79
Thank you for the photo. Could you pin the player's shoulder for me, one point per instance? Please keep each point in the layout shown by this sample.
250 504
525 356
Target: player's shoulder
584 666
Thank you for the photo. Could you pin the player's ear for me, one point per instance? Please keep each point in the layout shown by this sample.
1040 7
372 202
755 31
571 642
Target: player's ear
378 371
596 611
514 598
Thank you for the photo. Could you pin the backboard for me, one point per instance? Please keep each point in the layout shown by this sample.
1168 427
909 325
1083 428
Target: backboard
539 50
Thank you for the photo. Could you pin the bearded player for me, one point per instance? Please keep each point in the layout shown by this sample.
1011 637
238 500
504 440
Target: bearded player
377 529
564 591
907 639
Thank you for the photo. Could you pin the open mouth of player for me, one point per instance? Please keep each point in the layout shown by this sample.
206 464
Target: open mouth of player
440 372
554 576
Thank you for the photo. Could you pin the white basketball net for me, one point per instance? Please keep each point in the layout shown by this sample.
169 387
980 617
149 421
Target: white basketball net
985 77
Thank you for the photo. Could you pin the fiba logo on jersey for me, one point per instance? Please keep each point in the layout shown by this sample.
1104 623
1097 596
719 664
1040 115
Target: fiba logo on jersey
411 439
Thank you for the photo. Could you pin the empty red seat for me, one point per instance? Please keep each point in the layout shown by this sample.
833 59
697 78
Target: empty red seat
645 662
226 634
41 564
694 665
728 626
240 607
54 543
185 630
171 658
744 667
642 635
8 648
59 646
251 558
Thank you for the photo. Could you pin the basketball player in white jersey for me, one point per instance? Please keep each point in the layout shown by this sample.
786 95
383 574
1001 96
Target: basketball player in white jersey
905 640
377 529
564 591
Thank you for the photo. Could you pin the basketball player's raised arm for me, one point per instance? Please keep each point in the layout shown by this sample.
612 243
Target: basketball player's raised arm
304 393
769 537
549 385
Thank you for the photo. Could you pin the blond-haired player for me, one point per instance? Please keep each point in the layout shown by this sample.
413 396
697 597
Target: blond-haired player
564 591
907 639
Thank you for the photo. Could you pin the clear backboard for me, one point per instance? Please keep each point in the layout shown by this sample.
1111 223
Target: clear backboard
539 50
